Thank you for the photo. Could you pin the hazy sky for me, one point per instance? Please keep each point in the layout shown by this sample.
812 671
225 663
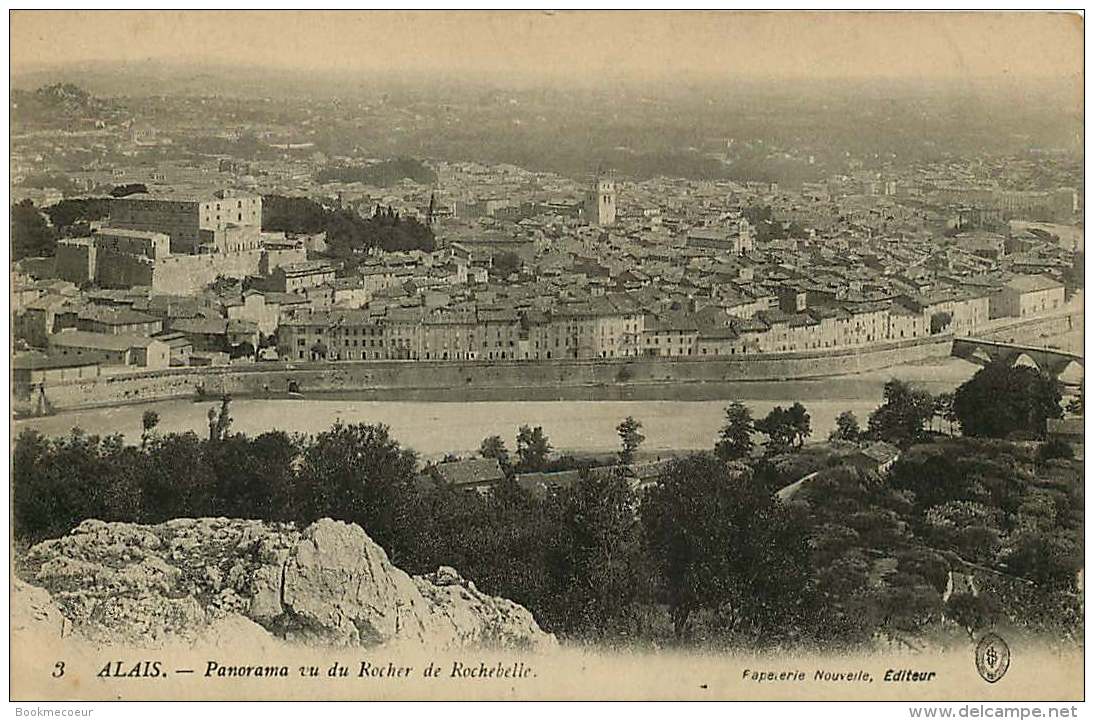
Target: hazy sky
570 43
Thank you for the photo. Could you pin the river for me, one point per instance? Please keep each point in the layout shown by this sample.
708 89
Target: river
690 420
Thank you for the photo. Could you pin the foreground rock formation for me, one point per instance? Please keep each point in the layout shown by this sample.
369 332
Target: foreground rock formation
219 580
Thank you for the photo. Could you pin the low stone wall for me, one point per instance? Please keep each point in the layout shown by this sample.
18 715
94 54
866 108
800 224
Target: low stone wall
1018 331
186 274
263 378
266 378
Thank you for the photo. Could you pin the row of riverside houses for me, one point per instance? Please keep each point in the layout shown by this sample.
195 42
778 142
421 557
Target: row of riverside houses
206 328
620 326
600 328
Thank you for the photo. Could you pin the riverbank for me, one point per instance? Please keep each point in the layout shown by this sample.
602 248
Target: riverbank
587 425
607 379
620 379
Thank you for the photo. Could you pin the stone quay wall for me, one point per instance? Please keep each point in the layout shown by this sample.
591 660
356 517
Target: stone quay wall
265 378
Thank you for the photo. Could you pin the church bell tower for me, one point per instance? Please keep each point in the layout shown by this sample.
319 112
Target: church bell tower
600 205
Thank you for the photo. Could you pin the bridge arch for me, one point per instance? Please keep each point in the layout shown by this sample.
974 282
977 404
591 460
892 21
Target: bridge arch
1024 360
1071 374
981 355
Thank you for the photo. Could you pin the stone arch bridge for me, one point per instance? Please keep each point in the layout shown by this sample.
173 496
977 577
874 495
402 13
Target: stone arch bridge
1065 367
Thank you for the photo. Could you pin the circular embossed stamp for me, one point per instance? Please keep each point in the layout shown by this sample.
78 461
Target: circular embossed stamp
992 657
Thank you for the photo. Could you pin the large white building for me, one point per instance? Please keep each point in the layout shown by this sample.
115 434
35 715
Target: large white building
220 221
1027 295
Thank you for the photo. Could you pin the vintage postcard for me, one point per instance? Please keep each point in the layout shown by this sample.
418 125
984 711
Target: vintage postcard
512 355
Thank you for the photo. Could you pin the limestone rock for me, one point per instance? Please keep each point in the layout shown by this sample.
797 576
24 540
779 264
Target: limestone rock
444 576
340 587
33 613
234 632
468 617
210 580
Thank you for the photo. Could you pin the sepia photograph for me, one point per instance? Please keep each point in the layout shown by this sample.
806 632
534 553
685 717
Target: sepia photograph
511 355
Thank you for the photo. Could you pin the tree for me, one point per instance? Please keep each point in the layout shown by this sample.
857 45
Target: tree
494 447
220 422
801 426
384 173
777 426
735 439
904 605
972 612
31 236
254 477
1075 405
177 481
533 448
847 428
723 543
943 408
149 421
506 263
1001 399
961 470
121 191
59 482
593 561
349 235
901 417
785 427
76 213
1055 448
243 350
630 438
359 473
1050 561
926 563
940 321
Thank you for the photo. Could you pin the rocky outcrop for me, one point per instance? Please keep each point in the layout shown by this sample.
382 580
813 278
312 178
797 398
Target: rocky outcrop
33 612
467 617
209 579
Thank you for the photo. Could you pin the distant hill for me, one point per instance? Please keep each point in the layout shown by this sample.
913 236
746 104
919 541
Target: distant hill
161 78
384 174
58 105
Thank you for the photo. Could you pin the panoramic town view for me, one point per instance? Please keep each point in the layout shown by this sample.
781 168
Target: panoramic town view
549 359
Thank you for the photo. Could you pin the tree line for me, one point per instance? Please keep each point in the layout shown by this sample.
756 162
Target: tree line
999 401
705 554
590 559
35 231
385 173
349 235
